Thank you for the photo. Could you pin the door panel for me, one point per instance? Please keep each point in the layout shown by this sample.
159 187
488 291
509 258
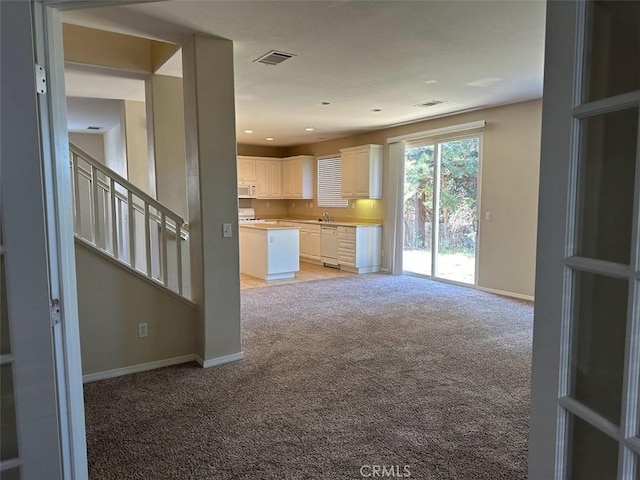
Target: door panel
418 209
586 349
457 210
593 455
440 209
607 174
598 342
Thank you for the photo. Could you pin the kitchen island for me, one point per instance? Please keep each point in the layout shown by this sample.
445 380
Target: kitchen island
269 251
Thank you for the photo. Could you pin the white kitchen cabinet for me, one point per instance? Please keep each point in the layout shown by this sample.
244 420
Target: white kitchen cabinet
269 178
269 251
359 248
362 171
310 241
247 169
304 242
297 177
315 246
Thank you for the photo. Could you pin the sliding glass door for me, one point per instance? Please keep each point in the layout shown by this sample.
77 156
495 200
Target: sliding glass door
441 209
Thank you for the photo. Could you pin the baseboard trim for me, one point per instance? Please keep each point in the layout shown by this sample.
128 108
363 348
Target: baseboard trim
507 294
212 362
141 367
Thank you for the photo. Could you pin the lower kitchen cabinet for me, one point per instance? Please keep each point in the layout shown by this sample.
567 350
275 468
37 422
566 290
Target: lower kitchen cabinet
310 246
315 247
359 248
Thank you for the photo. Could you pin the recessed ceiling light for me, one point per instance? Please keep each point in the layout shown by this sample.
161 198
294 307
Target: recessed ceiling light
324 104
429 82
269 138
376 110
485 82
248 131
308 129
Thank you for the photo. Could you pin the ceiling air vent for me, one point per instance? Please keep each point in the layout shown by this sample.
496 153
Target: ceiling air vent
430 103
91 127
274 57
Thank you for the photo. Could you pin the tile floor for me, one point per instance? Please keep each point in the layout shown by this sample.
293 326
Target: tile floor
308 272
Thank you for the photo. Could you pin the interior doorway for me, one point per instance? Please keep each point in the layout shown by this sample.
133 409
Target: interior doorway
441 208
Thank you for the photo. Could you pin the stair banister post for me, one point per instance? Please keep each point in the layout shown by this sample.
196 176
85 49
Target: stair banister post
114 221
132 230
76 191
147 239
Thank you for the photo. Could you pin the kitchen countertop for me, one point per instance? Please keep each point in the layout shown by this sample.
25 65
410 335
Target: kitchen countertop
339 224
265 226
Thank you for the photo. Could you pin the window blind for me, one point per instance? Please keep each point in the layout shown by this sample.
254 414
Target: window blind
330 183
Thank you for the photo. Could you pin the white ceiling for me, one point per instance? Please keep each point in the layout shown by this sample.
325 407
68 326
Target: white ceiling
358 55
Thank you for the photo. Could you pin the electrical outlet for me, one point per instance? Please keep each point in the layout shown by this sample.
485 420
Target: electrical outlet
487 215
143 330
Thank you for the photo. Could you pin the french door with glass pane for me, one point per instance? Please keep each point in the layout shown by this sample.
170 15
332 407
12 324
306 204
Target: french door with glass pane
586 357
441 208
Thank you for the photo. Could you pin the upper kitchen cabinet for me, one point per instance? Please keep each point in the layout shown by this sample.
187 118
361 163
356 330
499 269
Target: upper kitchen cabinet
297 177
269 178
362 171
247 169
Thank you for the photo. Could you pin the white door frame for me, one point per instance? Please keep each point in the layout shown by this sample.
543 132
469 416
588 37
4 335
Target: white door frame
49 53
25 250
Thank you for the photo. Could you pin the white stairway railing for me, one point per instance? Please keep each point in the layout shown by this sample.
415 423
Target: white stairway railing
129 225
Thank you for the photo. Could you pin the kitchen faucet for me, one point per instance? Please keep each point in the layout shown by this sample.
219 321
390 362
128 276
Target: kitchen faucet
325 215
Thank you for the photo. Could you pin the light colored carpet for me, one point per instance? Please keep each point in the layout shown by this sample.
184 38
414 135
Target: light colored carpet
364 370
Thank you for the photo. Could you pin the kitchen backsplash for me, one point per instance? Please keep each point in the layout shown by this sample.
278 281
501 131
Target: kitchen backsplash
358 210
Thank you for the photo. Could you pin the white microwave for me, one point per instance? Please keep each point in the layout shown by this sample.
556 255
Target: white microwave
247 190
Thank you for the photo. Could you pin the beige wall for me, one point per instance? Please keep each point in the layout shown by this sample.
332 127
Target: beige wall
111 303
115 149
135 122
269 208
261 151
92 143
510 167
165 109
90 46
210 143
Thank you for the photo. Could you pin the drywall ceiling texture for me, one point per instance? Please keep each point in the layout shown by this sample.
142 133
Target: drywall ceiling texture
359 56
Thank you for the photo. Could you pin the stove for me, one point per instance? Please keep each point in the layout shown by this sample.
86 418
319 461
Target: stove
248 215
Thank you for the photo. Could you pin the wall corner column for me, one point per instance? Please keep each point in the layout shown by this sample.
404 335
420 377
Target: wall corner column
210 144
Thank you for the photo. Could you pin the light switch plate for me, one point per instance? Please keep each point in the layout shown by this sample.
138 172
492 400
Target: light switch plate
226 230
143 330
